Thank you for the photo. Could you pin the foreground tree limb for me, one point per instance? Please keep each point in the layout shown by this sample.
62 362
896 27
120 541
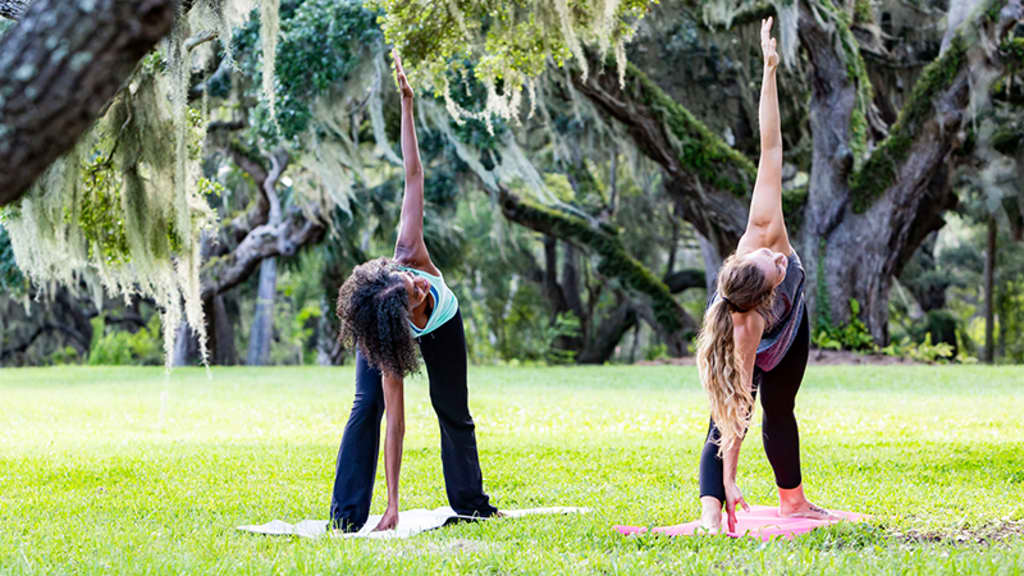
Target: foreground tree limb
12 9
61 64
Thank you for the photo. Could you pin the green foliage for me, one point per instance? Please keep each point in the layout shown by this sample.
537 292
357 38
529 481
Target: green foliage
510 43
793 203
11 279
122 348
566 326
657 351
297 309
99 213
321 44
925 351
64 356
853 335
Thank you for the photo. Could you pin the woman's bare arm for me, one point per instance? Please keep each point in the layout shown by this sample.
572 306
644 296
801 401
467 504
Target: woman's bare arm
746 334
410 249
766 226
394 406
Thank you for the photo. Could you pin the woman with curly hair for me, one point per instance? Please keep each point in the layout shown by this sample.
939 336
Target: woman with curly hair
755 337
387 307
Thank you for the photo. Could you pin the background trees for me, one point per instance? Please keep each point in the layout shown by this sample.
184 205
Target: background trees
581 210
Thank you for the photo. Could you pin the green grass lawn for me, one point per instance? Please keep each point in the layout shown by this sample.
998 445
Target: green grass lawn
126 471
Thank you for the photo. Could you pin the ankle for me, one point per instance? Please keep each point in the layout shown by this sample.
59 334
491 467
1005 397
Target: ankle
793 498
711 507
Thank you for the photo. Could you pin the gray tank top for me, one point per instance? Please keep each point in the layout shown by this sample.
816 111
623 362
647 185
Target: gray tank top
786 314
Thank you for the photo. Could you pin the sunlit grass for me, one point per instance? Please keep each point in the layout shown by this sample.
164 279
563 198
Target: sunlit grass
126 471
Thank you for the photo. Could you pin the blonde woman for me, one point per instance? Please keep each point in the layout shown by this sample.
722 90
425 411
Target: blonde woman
755 337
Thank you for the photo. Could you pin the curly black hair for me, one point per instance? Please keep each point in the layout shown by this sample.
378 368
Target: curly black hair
373 307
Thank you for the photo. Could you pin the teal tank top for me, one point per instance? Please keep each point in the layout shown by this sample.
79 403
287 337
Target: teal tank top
445 303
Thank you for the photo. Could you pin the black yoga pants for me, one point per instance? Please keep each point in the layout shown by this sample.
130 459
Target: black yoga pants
778 388
444 354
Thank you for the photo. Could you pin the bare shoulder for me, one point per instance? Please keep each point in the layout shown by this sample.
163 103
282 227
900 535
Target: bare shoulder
747 329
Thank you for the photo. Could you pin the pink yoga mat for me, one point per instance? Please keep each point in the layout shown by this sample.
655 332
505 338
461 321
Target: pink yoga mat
761 522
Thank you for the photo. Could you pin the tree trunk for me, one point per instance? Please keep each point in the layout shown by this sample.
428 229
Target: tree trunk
181 345
990 306
61 65
262 331
221 332
601 348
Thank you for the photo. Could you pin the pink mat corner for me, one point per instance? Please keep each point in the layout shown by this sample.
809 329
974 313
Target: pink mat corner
761 522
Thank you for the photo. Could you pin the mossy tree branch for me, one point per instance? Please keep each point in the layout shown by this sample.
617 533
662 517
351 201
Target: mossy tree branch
668 318
711 180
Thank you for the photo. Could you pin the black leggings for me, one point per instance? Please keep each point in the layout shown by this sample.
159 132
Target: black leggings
778 428
444 353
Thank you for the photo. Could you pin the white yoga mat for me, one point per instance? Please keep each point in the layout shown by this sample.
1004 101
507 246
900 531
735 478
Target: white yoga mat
410 522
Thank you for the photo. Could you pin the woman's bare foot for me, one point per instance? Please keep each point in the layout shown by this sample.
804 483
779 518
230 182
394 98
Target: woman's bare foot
793 504
711 515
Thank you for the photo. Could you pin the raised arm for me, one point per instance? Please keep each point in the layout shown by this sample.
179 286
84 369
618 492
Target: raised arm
394 406
766 226
410 249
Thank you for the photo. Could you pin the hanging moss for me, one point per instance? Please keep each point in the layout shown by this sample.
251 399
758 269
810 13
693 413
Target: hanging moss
699 150
880 171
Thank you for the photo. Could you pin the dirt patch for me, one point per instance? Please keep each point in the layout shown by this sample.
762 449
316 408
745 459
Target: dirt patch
819 357
988 533
835 357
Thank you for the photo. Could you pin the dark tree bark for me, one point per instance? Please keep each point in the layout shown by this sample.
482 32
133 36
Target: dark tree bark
61 65
12 9
220 332
683 280
990 305
609 333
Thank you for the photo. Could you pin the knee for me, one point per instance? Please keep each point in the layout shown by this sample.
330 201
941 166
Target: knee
778 407
366 406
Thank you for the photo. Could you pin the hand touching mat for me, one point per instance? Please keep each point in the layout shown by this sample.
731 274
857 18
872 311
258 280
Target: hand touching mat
410 522
761 522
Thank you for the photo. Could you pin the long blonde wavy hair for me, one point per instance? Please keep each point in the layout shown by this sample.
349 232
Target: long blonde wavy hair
742 287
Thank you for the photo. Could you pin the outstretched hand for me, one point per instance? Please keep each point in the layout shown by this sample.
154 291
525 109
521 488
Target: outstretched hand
771 57
733 498
389 521
403 81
